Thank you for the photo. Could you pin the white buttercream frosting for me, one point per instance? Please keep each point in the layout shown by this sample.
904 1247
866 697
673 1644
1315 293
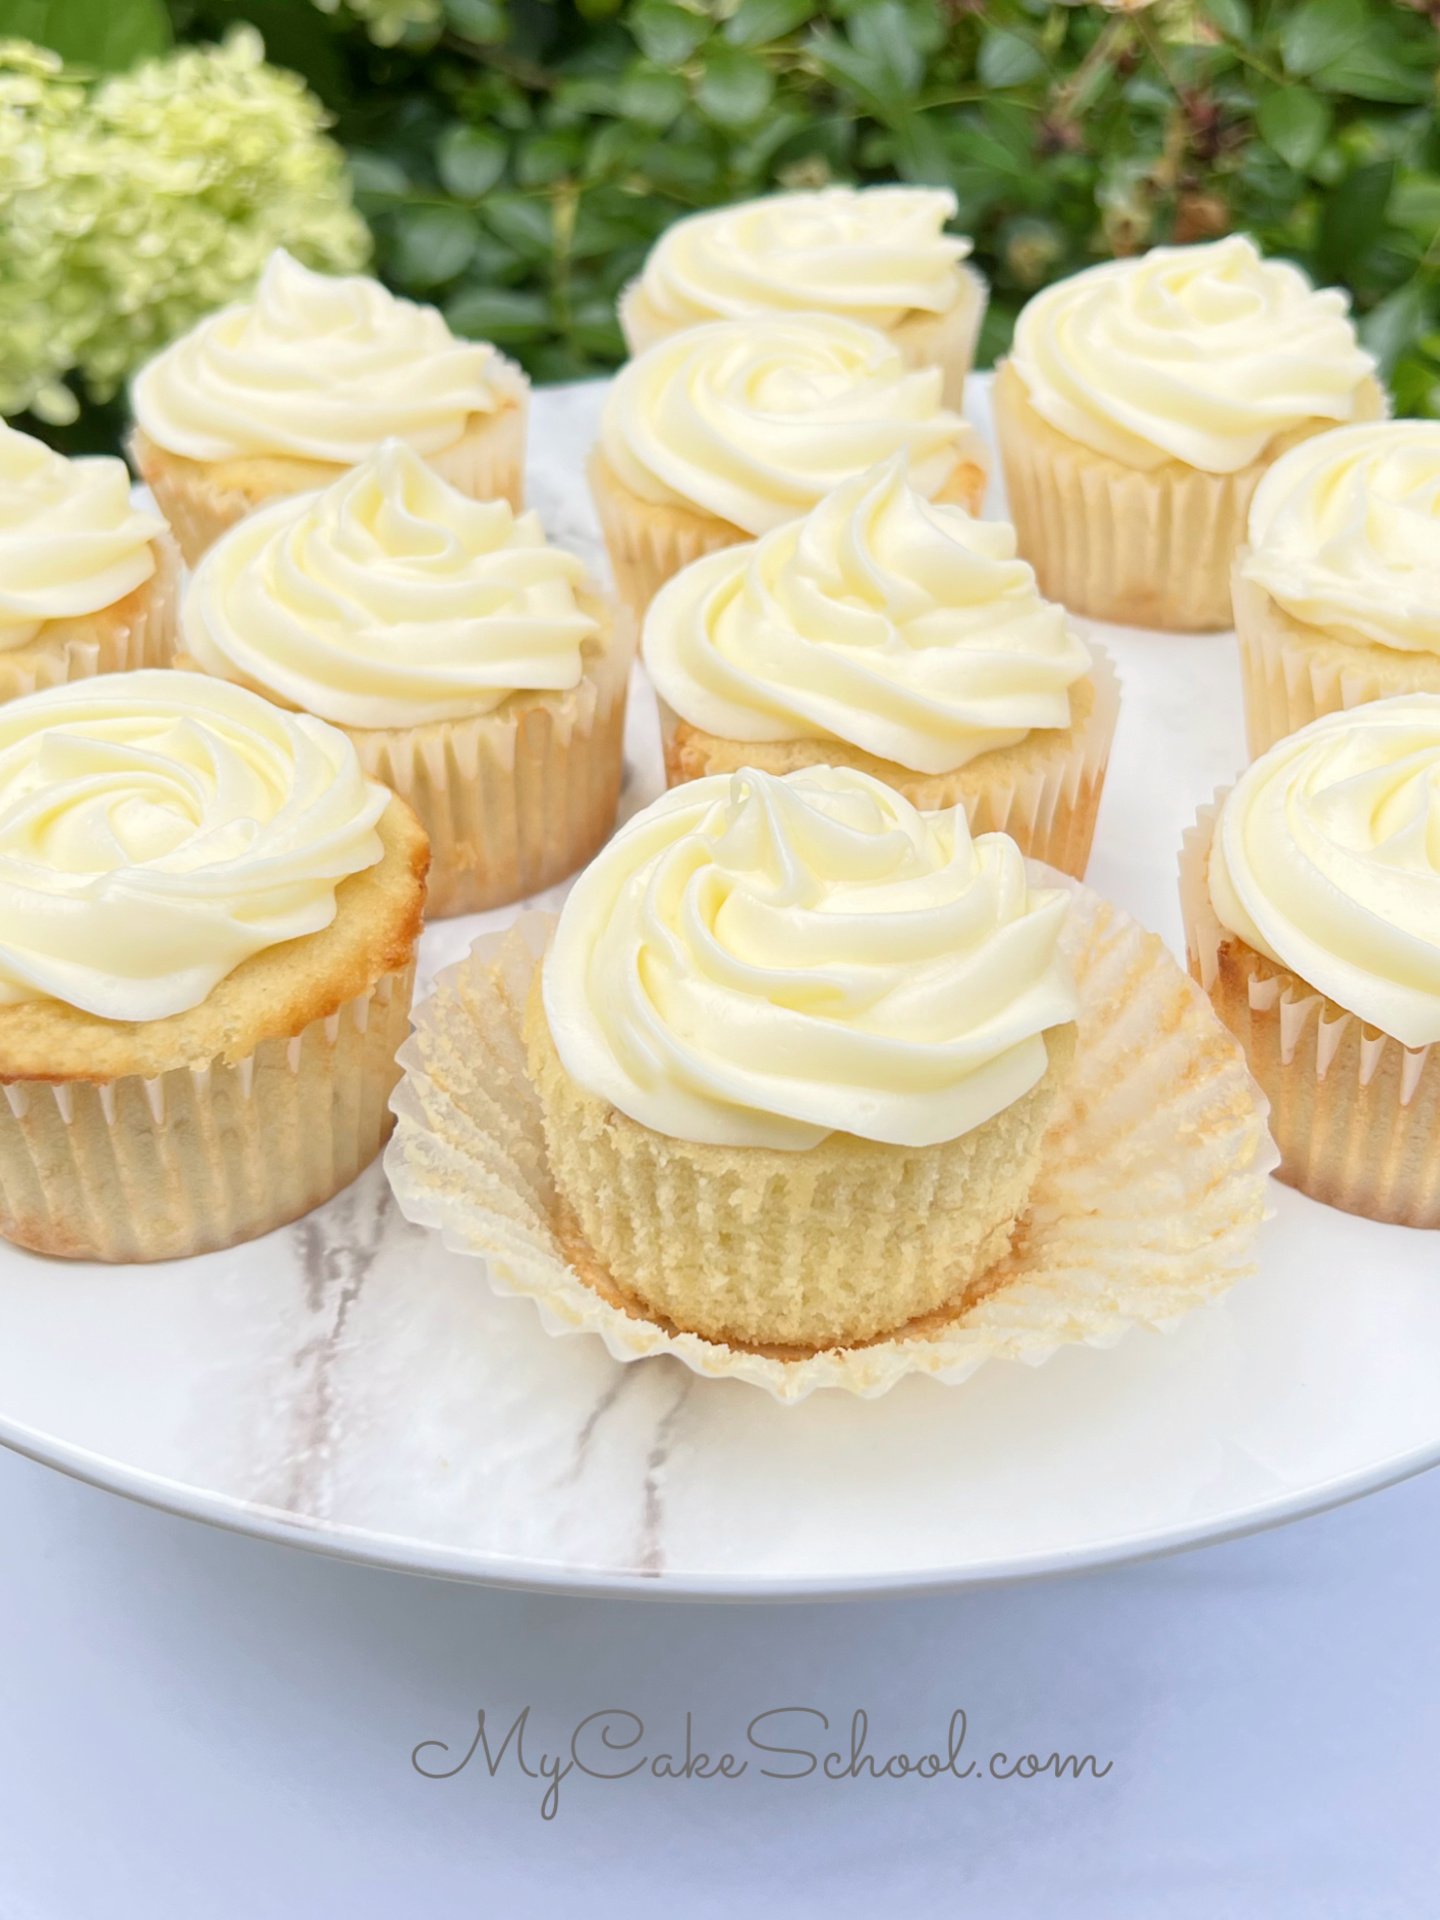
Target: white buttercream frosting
71 542
320 367
1345 533
1202 354
389 599
753 421
906 629
762 961
1326 859
159 828
874 254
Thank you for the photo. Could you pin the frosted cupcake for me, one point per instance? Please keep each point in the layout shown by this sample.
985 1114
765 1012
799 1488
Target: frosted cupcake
208 919
879 255
463 655
901 637
1141 404
87 580
796 1046
1312 906
280 393
727 431
1337 594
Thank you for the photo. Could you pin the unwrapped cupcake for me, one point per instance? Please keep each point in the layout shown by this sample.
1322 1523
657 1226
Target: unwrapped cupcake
903 637
208 919
463 655
726 431
87 580
1337 594
796 1046
280 393
1142 402
879 255
1312 908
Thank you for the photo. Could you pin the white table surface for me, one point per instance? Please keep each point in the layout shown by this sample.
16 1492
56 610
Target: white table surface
196 1726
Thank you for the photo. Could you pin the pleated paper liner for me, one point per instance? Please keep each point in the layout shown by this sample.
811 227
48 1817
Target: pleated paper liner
1045 792
138 631
649 544
518 799
1291 673
1355 1114
487 462
945 340
162 1166
1148 549
1152 1186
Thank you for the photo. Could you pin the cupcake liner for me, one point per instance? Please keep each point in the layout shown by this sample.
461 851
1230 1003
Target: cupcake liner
198 1158
648 544
1355 1115
110 641
945 340
1144 549
1291 674
1045 792
1151 1187
487 462
517 799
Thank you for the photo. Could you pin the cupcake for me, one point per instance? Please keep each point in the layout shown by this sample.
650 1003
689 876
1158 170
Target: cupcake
1337 594
795 1046
1312 909
208 919
1142 402
879 255
87 580
281 393
463 655
728 430
898 636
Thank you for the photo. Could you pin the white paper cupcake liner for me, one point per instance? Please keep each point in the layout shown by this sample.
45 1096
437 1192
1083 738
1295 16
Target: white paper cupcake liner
105 643
1152 1187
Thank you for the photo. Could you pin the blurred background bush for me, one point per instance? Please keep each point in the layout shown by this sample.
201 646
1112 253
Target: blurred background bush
512 160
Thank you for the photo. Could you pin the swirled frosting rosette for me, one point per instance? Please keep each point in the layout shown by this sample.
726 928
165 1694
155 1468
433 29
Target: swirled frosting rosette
879 255
208 918
1313 903
1337 594
1141 403
729 430
274 394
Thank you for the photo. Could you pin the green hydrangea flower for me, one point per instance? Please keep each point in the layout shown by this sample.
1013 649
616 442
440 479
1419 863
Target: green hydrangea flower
132 205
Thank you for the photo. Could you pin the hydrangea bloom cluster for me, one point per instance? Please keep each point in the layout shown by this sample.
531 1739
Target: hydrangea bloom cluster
131 206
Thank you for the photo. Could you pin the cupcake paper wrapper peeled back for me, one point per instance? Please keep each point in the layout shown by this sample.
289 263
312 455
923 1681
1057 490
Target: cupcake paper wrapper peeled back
1355 1114
1044 792
138 631
1145 548
1151 1183
203 500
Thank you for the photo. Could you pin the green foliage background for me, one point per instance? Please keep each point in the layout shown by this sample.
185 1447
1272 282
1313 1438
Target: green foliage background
516 158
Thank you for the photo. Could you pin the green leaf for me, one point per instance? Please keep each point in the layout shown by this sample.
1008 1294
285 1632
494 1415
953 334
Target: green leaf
758 23
735 88
431 245
667 34
1008 59
1387 330
543 158
523 221
1369 71
880 33
482 21
1353 218
110 35
502 314
377 176
1294 122
651 96
1319 31
469 161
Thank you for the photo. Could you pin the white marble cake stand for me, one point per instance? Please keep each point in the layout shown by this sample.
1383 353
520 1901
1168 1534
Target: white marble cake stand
348 1385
